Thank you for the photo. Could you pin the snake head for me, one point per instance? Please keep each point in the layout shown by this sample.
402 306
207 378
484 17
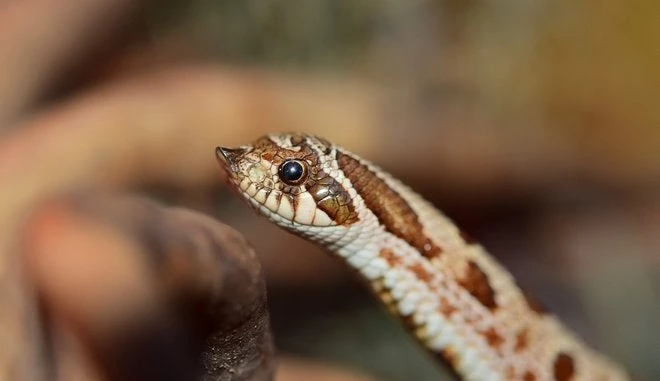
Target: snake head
293 179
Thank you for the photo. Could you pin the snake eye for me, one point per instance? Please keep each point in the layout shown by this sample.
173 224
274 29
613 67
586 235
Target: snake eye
293 172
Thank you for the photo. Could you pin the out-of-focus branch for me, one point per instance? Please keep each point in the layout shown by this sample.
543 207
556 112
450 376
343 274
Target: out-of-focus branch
40 39
161 128
133 291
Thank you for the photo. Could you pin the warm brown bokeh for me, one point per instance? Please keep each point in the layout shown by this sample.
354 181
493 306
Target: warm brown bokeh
533 124
129 290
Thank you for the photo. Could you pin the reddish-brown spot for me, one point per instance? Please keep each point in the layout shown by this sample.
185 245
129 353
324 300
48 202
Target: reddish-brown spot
529 376
389 257
446 308
494 339
475 281
389 207
421 273
510 372
522 339
564 367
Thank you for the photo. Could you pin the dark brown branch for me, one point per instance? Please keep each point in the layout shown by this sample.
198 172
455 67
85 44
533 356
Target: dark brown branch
134 291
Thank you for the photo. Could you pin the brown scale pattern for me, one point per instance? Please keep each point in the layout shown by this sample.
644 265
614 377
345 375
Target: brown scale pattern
529 376
391 258
392 211
475 281
564 367
332 198
446 308
493 338
421 273
330 195
400 218
522 340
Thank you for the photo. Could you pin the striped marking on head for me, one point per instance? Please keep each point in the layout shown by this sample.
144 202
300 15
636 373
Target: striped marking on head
293 177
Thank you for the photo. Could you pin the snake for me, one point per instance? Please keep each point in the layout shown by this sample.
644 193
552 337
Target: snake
460 304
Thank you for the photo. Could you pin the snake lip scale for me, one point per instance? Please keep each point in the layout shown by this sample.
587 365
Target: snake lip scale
453 296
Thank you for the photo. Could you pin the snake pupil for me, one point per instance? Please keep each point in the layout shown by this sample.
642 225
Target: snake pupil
292 172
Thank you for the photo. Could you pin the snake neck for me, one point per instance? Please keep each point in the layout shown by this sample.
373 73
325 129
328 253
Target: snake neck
456 299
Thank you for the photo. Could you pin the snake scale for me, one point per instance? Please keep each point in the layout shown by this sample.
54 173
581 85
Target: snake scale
461 305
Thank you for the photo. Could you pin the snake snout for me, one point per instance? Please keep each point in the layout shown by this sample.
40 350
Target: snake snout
230 155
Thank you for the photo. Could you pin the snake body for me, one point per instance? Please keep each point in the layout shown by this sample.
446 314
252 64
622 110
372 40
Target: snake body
460 303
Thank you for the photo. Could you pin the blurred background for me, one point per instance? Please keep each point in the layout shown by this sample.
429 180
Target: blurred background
534 124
